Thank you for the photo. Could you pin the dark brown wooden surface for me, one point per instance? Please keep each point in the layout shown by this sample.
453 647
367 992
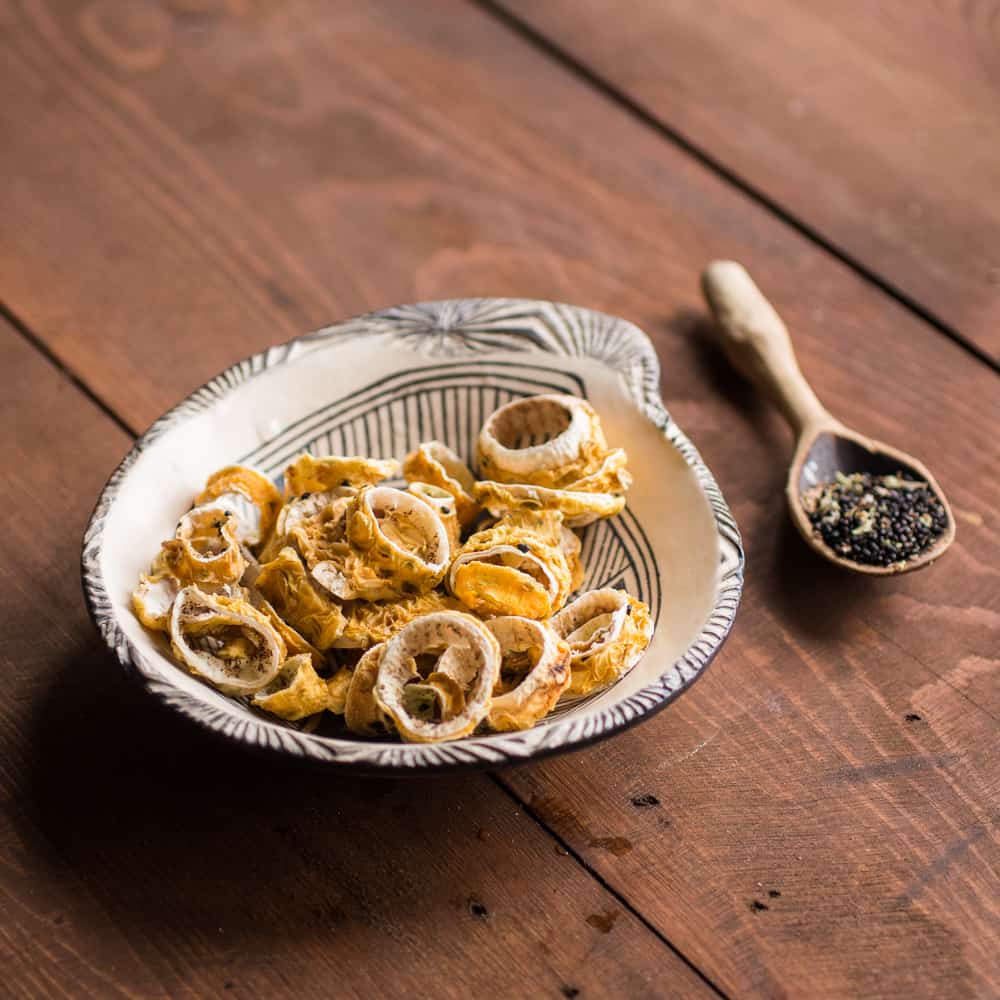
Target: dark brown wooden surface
143 857
874 124
184 184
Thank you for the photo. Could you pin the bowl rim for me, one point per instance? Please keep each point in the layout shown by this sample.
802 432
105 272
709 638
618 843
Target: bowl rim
450 327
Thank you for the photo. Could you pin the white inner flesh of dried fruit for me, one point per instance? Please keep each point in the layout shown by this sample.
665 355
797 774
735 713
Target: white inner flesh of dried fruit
157 596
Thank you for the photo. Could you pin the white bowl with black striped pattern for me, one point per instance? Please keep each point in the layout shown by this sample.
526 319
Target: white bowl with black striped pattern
379 384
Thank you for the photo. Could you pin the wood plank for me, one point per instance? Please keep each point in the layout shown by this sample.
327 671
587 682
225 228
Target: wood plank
350 161
873 124
144 857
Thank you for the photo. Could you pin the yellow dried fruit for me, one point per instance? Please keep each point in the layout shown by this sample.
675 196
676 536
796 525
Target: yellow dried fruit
309 474
435 463
285 583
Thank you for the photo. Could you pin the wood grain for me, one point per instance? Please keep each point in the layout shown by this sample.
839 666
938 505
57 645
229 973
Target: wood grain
253 171
143 857
873 124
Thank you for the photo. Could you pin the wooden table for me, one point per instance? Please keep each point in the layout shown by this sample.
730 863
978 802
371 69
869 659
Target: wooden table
185 182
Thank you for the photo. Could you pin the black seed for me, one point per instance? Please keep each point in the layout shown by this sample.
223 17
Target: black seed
758 907
628 609
306 496
773 893
523 548
477 909
912 717
345 482
445 510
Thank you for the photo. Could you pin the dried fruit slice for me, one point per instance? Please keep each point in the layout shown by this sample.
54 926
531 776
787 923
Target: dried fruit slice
362 713
534 672
607 631
516 567
295 643
443 504
225 640
368 623
435 463
205 549
297 512
437 675
577 508
154 598
309 474
251 497
569 542
399 537
296 691
337 687
285 583
543 440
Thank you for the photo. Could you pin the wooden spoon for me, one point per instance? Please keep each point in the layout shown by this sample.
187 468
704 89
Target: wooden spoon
756 341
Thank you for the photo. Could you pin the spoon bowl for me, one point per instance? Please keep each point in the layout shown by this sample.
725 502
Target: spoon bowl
756 341
828 451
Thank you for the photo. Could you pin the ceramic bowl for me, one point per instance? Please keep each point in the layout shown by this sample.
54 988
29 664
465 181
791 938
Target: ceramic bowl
378 385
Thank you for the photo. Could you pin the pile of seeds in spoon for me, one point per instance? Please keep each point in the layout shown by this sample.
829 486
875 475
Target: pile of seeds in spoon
875 520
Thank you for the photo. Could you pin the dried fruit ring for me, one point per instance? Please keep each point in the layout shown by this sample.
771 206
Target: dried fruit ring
545 440
534 672
607 631
251 497
437 676
435 463
226 641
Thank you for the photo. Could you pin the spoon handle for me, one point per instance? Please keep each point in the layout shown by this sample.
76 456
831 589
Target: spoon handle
756 341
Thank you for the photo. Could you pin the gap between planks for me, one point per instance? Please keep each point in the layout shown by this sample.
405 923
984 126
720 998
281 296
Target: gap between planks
53 359
548 47
39 345
610 889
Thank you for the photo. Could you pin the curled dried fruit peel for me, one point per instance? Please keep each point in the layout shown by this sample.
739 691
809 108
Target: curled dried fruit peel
435 463
400 543
204 550
298 512
295 642
516 567
578 505
378 544
285 583
311 474
296 691
225 640
249 495
362 713
572 445
443 504
436 677
534 672
153 600
607 631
